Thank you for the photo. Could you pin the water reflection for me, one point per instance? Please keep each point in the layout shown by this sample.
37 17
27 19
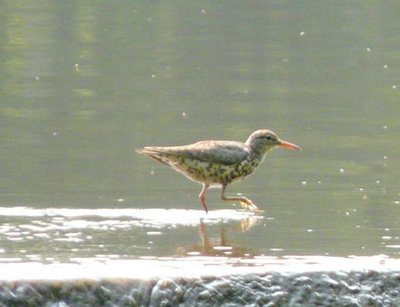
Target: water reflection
61 234
56 235
219 244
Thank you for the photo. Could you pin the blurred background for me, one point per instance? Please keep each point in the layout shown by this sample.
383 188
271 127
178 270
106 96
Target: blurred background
85 83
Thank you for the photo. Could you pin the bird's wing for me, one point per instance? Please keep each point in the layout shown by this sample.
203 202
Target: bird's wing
224 152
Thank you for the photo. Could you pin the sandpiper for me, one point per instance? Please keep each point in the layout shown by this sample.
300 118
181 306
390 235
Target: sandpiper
219 163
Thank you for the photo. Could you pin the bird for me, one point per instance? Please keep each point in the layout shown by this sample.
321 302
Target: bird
219 163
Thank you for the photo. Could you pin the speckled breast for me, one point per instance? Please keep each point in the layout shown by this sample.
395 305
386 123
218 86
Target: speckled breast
216 173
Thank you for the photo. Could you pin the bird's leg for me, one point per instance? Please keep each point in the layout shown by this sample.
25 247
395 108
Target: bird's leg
244 201
202 196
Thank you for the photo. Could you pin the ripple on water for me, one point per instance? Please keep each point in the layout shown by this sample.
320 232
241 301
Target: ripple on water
61 234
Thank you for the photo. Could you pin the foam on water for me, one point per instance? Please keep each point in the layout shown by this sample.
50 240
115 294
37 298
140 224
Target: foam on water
153 216
148 267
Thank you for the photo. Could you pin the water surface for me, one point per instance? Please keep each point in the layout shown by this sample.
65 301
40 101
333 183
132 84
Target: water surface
84 85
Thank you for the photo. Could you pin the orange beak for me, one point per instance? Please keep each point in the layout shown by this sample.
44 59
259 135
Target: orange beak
288 145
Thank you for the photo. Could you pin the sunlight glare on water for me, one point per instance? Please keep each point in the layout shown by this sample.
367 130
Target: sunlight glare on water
155 217
94 269
136 231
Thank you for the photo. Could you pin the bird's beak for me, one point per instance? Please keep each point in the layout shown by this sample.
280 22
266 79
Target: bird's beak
288 145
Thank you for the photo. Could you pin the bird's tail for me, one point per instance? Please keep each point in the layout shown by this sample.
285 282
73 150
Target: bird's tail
153 154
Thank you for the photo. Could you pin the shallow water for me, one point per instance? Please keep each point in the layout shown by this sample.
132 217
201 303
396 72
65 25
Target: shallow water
107 234
54 235
83 86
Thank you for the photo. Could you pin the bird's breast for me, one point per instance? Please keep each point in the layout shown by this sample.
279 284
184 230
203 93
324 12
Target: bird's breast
213 172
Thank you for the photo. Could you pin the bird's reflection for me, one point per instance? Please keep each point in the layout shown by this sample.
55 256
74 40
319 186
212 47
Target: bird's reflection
218 243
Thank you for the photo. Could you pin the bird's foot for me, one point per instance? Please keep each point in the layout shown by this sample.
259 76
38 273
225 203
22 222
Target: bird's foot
249 205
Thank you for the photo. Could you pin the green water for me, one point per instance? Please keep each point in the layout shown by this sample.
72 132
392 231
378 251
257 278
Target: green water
84 83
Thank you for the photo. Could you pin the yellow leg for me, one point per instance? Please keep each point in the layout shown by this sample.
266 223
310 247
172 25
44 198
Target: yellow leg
244 201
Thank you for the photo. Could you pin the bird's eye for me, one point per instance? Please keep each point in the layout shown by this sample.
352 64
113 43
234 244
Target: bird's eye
269 138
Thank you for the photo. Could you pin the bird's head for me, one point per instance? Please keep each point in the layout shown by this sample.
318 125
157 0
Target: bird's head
261 141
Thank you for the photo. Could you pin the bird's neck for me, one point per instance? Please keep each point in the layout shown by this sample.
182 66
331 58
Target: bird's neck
260 153
261 150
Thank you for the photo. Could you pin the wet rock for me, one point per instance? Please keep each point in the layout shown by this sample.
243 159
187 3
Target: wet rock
327 281
348 301
127 300
273 289
301 295
278 298
166 292
57 304
6 294
140 291
349 288
24 294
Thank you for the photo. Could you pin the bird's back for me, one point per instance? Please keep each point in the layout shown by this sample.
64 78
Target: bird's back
221 152
212 162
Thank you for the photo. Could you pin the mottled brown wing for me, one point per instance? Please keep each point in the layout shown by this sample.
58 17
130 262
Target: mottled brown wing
223 152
